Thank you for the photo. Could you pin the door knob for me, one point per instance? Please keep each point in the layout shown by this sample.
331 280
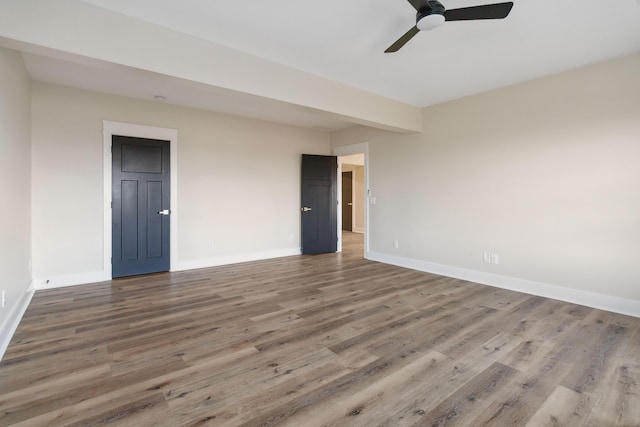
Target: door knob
306 209
164 212
349 204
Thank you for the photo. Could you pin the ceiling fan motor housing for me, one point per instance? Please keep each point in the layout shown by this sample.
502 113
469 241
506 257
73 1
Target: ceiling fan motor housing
431 14
429 18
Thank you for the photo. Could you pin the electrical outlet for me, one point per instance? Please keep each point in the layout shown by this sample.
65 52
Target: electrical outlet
395 244
4 298
490 258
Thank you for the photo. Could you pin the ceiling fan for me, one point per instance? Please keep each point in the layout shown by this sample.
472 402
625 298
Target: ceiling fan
431 13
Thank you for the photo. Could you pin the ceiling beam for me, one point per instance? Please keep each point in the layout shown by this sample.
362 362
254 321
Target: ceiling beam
82 29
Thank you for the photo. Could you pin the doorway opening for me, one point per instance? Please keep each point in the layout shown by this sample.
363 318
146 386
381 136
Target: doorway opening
353 192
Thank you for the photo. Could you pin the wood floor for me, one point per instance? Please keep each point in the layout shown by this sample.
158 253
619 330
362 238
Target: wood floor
313 341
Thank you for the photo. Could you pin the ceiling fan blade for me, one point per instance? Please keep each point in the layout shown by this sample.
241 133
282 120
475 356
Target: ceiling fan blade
419 5
487 11
402 40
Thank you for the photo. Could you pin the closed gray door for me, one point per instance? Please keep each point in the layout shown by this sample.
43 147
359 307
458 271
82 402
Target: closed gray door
140 206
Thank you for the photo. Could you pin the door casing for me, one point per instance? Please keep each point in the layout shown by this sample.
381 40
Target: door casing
109 129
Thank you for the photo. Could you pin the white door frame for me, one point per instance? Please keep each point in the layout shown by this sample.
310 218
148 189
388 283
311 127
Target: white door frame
347 150
109 129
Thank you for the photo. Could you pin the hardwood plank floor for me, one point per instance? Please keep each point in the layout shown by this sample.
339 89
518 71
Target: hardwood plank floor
313 341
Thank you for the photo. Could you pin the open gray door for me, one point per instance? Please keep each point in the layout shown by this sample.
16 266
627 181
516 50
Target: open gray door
319 204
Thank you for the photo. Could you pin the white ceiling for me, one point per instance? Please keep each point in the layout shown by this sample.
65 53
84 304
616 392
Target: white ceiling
344 40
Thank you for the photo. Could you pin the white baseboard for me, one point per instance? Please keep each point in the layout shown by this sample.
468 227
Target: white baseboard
589 299
359 230
71 280
234 259
102 276
11 323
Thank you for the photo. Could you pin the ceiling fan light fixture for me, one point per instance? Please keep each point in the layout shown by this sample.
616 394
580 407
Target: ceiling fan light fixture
429 22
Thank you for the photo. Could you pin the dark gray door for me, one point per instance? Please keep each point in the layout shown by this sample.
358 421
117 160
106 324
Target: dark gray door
347 201
140 206
319 204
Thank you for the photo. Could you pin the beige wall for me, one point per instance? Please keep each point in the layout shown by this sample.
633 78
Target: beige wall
15 186
545 174
238 180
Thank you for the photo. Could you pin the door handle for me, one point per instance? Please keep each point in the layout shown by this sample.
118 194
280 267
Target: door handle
305 209
164 212
349 204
